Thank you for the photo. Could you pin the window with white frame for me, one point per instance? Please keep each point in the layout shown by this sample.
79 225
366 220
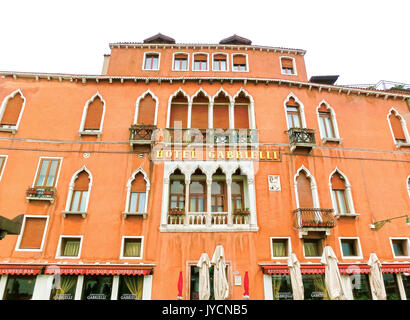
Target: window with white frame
350 247
288 65
137 193
327 123
400 247
47 172
131 247
181 62
3 160
151 61
398 128
280 247
79 192
33 233
200 62
11 111
240 63
340 194
312 248
69 247
93 116
220 62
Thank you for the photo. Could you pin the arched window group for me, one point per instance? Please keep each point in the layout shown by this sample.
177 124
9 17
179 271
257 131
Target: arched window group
340 191
203 111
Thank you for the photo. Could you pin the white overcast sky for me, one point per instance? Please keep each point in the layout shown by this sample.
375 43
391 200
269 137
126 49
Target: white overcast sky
362 41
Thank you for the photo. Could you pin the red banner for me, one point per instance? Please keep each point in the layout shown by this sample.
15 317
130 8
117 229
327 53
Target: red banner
354 269
20 269
280 269
396 268
312 269
97 270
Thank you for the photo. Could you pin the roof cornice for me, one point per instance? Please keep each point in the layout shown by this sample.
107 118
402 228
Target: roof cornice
266 81
179 46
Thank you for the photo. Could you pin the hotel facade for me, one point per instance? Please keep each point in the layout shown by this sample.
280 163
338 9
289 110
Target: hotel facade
121 181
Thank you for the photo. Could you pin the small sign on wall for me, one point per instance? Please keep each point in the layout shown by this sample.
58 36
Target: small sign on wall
274 182
238 281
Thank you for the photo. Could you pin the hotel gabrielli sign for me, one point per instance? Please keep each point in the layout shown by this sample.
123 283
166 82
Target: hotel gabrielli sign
214 154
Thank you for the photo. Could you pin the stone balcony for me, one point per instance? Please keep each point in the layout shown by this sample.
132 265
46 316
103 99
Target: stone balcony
314 220
301 139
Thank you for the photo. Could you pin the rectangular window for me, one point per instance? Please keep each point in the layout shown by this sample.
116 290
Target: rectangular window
19 287
406 284
32 235
97 288
132 248
47 172
350 248
151 62
181 62
400 247
341 202
361 287
314 286
293 115
239 63
70 247
287 66
282 287
130 287
137 202
200 62
280 248
312 247
220 64
64 288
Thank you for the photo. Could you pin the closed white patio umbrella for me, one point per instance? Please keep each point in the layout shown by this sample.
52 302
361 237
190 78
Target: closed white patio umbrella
333 279
204 284
296 277
376 277
221 286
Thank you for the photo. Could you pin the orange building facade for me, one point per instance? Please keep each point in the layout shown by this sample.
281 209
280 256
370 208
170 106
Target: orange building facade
125 179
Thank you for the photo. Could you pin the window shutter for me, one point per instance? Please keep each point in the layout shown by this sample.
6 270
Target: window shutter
304 191
13 109
33 233
179 112
201 57
239 59
287 63
221 116
338 183
181 56
146 110
396 127
138 184
94 115
219 57
199 116
241 116
82 182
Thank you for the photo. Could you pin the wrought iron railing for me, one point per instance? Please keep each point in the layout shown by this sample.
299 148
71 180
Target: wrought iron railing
301 136
211 136
314 217
141 133
40 193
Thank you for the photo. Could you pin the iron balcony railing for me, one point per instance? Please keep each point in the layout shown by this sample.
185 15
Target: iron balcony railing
314 218
211 136
41 193
140 133
301 137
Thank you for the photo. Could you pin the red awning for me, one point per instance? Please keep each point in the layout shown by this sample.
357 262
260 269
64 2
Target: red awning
97 270
275 269
23 269
312 269
396 268
354 268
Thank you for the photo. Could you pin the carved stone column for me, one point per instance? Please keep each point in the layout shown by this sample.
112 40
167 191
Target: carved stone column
187 183
229 200
208 202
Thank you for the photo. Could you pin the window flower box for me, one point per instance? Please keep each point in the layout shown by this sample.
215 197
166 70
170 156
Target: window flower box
242 211
176 211
31 192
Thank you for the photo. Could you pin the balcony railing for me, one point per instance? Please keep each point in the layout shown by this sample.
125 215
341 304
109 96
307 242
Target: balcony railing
314 218
211 136
207 219
301 137
41 193
141 134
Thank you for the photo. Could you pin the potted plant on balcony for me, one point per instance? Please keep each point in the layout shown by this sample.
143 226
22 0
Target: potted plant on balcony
242 211
48 192
176 211
31 191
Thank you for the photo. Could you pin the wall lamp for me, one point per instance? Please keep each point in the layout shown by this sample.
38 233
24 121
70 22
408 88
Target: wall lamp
378 224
